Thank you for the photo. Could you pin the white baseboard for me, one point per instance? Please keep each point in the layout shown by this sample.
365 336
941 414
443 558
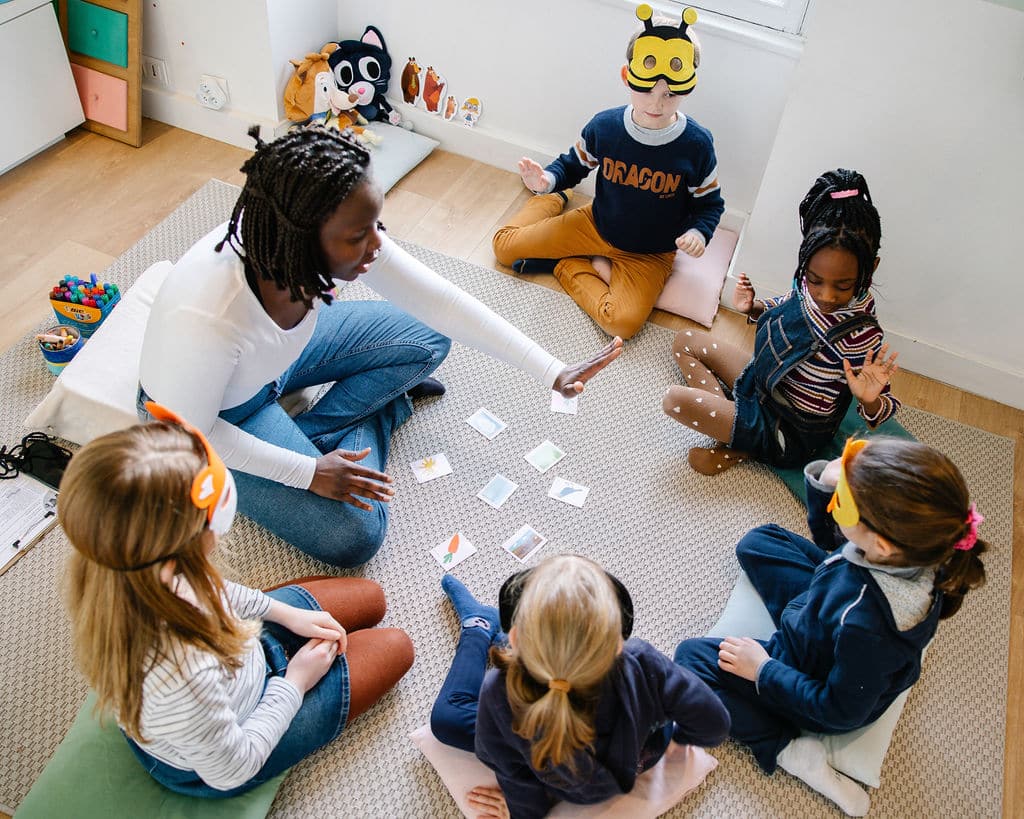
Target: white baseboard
984 378
184 111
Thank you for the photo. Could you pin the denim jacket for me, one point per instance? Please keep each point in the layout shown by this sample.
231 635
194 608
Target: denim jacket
783 341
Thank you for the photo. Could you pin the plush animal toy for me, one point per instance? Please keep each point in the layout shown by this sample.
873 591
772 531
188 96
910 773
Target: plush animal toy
312 96
363 67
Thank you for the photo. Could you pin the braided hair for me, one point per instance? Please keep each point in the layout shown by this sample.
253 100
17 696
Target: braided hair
837 212
292 186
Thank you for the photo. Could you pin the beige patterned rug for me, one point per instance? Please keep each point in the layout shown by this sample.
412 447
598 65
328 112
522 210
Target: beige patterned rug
666 531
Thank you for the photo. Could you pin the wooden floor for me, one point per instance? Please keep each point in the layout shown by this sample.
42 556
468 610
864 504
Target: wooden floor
79 204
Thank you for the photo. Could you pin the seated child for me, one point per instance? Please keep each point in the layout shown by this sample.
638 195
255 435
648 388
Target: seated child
211 703
817 347
851 623
657 188
574 710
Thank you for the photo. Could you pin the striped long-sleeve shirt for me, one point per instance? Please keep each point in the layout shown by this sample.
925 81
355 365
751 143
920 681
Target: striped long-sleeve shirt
814 385
198 716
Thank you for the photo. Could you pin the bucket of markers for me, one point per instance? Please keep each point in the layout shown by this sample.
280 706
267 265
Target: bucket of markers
59 345
83 303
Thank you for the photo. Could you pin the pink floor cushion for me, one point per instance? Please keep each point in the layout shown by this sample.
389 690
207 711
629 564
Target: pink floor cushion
695 286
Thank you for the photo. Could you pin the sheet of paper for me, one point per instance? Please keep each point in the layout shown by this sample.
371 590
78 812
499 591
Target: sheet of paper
453 551
497 491
544 456
433 466
568 492
559 403
486 423
524 543
28 508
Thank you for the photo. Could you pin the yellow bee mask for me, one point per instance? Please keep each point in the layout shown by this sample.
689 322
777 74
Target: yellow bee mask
842 506
663 53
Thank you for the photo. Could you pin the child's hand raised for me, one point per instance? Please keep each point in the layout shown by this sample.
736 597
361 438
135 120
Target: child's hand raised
533 175
743 294
310 663
691 243
741 656
489 801
571 380
868 384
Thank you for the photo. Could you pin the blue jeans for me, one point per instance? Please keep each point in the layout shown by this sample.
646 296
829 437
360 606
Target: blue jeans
453 718
374 353
320 720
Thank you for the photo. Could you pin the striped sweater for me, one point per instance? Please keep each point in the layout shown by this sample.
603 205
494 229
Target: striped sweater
198 716
814 385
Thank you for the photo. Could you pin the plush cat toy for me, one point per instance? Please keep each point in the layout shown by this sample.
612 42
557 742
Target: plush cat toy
363 67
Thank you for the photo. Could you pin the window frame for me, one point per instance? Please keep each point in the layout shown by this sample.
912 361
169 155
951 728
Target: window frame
787 16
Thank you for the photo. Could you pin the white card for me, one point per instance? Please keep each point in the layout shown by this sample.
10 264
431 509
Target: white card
559 403
433 466
568 492
544 456
497 491
452 552
486 424
524 543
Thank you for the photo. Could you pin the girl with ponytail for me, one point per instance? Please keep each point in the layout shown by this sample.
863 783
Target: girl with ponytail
574 709
896 550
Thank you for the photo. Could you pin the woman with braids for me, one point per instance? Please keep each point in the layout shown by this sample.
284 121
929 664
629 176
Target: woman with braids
817 347
574 709
852 623
233 328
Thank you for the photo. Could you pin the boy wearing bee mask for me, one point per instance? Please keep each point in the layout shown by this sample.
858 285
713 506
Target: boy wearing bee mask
657 188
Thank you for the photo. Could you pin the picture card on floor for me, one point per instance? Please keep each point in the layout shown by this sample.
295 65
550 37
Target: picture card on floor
544 456
453 552
486 423
433 466
524 543
568 492
497 491
559 403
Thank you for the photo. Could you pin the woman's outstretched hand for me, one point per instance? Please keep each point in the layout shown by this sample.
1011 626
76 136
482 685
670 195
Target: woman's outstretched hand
572 379
339 476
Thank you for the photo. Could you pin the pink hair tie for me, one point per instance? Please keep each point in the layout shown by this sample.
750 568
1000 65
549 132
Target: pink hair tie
844 194
973 520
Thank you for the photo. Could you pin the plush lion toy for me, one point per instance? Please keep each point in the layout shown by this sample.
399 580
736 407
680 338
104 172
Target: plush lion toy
313 95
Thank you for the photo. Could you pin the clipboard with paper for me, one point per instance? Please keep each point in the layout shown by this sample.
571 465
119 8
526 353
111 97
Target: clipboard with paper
28 509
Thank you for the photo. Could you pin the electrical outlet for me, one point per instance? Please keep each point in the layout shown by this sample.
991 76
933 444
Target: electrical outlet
212 92
154 71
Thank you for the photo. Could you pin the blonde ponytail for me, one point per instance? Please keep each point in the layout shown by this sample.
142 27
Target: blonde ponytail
568 628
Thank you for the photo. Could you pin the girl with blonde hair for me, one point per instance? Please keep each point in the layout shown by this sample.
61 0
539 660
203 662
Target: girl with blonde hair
574 709
211 703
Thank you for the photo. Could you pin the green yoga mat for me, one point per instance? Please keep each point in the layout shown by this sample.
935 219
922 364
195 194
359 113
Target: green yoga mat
95 775
853 426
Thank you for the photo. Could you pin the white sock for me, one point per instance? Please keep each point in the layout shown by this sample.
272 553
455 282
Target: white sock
806 759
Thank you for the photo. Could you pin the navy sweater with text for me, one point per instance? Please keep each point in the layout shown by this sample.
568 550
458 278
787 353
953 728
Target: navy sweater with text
652 185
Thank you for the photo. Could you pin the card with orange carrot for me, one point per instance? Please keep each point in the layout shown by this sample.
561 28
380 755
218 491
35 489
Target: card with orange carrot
453 551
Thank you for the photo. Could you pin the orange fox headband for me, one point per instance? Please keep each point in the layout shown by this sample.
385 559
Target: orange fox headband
213 489
842 506
663 53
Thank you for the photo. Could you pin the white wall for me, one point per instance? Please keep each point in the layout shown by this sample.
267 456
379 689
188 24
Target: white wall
245 42
542 68
926 99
